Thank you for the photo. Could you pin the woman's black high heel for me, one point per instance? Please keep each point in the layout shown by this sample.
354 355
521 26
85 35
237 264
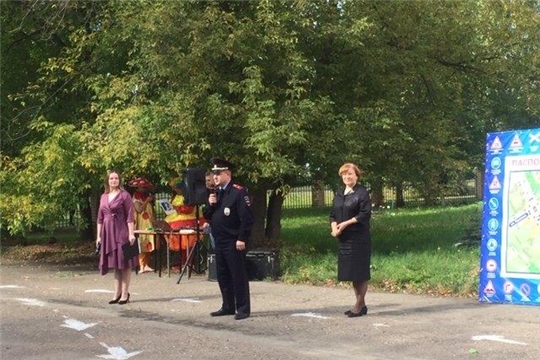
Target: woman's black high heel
123 302
363 311
115 301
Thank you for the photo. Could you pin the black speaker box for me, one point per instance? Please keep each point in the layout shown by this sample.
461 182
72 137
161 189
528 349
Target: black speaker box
260 265
196 192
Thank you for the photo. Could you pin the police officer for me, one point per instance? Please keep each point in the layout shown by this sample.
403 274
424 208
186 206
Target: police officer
231 218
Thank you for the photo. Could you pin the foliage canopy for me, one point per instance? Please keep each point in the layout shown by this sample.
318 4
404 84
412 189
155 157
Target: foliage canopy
289 90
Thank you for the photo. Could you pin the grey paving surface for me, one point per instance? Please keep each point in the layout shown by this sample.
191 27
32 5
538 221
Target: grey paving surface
63 313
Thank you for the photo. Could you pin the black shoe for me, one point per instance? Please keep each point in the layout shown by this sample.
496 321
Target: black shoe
363 311
222 312
124 302
241 316
348 312
115 301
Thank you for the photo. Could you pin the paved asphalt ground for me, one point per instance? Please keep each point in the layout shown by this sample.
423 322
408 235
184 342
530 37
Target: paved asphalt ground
63 313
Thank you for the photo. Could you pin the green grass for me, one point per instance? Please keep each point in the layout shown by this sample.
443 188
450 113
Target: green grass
413 250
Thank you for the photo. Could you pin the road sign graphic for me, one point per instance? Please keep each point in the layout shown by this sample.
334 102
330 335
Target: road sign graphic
510 250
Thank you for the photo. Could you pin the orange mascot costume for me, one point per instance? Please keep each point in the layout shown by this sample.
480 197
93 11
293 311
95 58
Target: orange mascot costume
144 211
185 216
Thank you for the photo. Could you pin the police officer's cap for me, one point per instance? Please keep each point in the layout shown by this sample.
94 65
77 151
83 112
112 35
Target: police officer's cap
221 164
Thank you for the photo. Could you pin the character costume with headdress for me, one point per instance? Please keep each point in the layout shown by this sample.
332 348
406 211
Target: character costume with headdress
144 215
183 217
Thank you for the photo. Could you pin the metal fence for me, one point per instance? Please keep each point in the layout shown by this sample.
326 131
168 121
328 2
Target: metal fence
307 197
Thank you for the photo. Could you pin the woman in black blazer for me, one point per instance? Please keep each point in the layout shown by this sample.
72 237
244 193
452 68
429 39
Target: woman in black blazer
349 219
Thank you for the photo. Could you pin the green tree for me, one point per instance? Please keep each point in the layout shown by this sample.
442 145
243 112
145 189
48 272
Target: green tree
41 108
286 90
428 83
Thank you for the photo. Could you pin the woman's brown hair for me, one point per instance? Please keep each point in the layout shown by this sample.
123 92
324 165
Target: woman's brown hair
120 186
345 167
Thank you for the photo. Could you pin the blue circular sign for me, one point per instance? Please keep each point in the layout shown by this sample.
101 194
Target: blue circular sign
492 244
493 224
493 203
496 163
525 289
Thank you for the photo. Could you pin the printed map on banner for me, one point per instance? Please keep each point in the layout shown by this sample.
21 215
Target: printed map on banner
523 211
510 247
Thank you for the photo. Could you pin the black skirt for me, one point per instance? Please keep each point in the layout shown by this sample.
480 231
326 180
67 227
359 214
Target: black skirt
354 257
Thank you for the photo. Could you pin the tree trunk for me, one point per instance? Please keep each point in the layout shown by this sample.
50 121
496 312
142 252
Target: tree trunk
377 196
257 239
317 194
429 192
479 184
400 200
87 233
93 200
273 219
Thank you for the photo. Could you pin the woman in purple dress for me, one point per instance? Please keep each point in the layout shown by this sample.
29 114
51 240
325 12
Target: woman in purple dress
114 229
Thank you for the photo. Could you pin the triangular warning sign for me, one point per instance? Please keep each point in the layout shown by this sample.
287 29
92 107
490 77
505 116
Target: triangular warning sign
489 289
516 142
497 144
495 184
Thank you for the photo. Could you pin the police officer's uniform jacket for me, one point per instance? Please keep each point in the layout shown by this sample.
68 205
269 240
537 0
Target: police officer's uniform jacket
231 218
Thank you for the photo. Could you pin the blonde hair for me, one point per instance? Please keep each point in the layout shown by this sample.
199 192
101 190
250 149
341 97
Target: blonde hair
107 187
345 167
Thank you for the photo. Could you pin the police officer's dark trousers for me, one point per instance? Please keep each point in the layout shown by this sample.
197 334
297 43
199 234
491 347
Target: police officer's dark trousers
232 278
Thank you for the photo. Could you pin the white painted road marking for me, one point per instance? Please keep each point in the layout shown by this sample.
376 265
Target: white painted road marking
310 314
117 353
188 300
77 325
99 291
32 302
498 338
11 287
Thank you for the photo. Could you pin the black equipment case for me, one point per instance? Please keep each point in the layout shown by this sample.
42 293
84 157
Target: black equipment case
260 265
